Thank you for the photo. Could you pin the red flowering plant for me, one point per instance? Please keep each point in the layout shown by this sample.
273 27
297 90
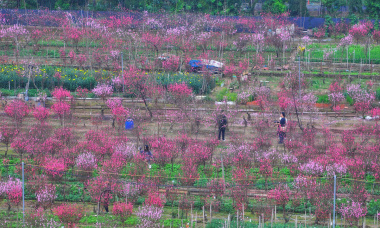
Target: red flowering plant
41 113
180 92
12 190
69 214
122 209
281 196
17 110
54 168
154 199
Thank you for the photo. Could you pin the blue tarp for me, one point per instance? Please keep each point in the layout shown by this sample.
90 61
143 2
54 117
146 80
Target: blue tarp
198 64
129 124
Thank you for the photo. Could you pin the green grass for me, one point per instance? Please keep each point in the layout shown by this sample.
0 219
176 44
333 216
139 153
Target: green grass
324 99
317 51
320 83
225 93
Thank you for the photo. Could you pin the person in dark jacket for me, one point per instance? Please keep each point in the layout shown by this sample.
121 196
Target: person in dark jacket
282 128
147 154
222 124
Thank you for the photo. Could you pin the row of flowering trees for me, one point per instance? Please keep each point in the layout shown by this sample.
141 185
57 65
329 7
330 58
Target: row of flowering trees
309 154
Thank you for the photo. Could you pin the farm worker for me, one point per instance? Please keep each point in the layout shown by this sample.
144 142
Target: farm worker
222 124
282 128
147 154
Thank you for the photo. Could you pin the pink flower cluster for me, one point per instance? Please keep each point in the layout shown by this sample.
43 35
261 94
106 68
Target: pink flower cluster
54 167
103 91
46 194
312 168
12 189
353 211
86 161
345 41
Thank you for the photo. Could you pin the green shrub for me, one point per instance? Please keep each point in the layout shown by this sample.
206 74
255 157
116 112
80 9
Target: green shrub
131 221
323 99
6 92
71 78
227 206
208 99
175 222
220 95
91 95
231 96
349 100
195 81
373 207
378 93
224 92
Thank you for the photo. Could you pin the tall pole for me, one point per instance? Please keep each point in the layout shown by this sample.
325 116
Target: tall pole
122 70
299 76
23 195
334 201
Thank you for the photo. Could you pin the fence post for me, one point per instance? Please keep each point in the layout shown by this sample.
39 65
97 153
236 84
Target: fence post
23 196
334 201
122 70
299 75
224 181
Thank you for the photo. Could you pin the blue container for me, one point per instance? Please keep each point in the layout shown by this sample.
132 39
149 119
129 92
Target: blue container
129 124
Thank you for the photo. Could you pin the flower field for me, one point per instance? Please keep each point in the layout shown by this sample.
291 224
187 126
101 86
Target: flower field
81 97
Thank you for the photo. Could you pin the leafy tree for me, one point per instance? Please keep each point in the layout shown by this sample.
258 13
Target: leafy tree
373 7
298 8
355 6
333 6
274 6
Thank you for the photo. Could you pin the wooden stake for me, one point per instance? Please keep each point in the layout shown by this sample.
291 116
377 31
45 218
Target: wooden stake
305 218
271 220
210 211
295 223
204 216
329 222
237 219
363 222
275 213
243 212
196 218
259 220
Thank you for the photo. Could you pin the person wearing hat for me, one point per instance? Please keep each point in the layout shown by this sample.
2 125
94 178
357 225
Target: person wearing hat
282 128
